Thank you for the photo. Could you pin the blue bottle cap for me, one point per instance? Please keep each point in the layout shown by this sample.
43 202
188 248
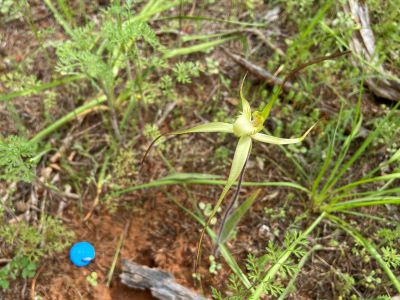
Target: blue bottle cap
81 254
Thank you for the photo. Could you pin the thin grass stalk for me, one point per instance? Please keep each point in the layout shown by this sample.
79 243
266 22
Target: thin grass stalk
291 284
368 201
327 160
166 181
67 118
371 137
41 87
333 176
60 19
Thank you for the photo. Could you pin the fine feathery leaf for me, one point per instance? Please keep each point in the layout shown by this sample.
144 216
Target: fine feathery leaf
283 257
369 247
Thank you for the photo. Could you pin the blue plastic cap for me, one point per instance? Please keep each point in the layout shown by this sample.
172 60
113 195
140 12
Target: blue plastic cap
81 254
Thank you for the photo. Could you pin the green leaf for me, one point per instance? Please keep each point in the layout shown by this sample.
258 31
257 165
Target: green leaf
236 216
196 48
31 90
269 139
367 180
196 178
189 176
4 284
29 270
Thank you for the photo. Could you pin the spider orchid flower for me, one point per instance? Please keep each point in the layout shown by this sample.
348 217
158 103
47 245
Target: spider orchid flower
247 129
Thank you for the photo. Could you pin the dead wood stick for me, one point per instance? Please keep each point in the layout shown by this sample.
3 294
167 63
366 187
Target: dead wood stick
363 44
259 72
161 284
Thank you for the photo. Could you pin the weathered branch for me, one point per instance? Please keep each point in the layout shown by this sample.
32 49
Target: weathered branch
363 44
161 284
258 71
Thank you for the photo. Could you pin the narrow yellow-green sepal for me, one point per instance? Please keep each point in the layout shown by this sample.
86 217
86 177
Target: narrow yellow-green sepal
208 127
245 104
269 139
239 160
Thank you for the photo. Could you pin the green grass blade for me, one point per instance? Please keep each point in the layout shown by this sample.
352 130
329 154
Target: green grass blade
199 37
333 176
59 18
360 151
156 7
236 216
354 184
380 192
290 286
295 162
215 20
367 201
201 179
188 177
315 21
38 88
369 216
328 158
66 11
196 48
394 158
67 118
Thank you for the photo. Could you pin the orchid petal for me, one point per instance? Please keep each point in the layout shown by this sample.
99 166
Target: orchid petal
207 127
245 104
239 160
269 139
